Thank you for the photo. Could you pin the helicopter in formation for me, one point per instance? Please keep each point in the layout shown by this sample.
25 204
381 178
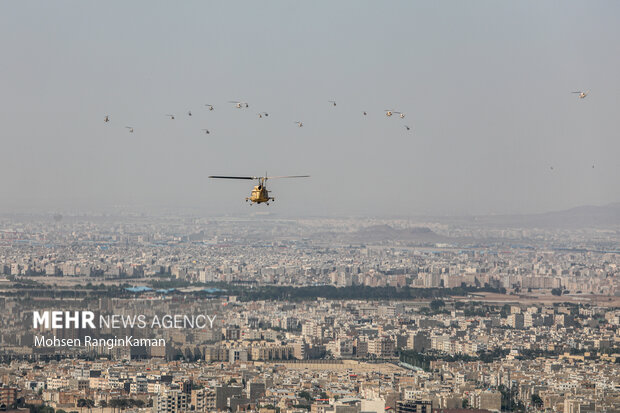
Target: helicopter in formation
239 105
259 194
582 95
389 112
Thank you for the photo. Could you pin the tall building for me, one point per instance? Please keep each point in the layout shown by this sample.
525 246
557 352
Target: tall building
300 350
516 320
223 393
490 400
8 395
418 341
199 400
382 347
256 390
172 401
237 354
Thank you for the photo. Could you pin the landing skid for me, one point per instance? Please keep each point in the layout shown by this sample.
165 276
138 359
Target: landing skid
272 199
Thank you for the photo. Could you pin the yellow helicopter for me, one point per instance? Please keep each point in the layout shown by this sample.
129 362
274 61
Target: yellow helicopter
260 194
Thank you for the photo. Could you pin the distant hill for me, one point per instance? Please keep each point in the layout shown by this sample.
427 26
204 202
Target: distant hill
607 216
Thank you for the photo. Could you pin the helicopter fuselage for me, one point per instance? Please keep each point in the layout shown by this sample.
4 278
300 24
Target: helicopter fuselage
259 195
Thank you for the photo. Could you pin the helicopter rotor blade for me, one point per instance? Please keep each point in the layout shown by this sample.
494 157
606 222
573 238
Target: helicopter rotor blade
234 177
291 176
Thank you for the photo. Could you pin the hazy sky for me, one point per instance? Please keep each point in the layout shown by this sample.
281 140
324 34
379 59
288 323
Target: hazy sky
485 86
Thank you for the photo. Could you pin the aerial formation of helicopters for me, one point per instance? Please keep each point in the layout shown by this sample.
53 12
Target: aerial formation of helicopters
260 194
244 105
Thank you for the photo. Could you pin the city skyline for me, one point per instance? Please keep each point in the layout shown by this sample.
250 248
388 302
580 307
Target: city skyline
453 246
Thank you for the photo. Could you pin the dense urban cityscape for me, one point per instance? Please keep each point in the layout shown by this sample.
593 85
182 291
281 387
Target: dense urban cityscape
318 314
